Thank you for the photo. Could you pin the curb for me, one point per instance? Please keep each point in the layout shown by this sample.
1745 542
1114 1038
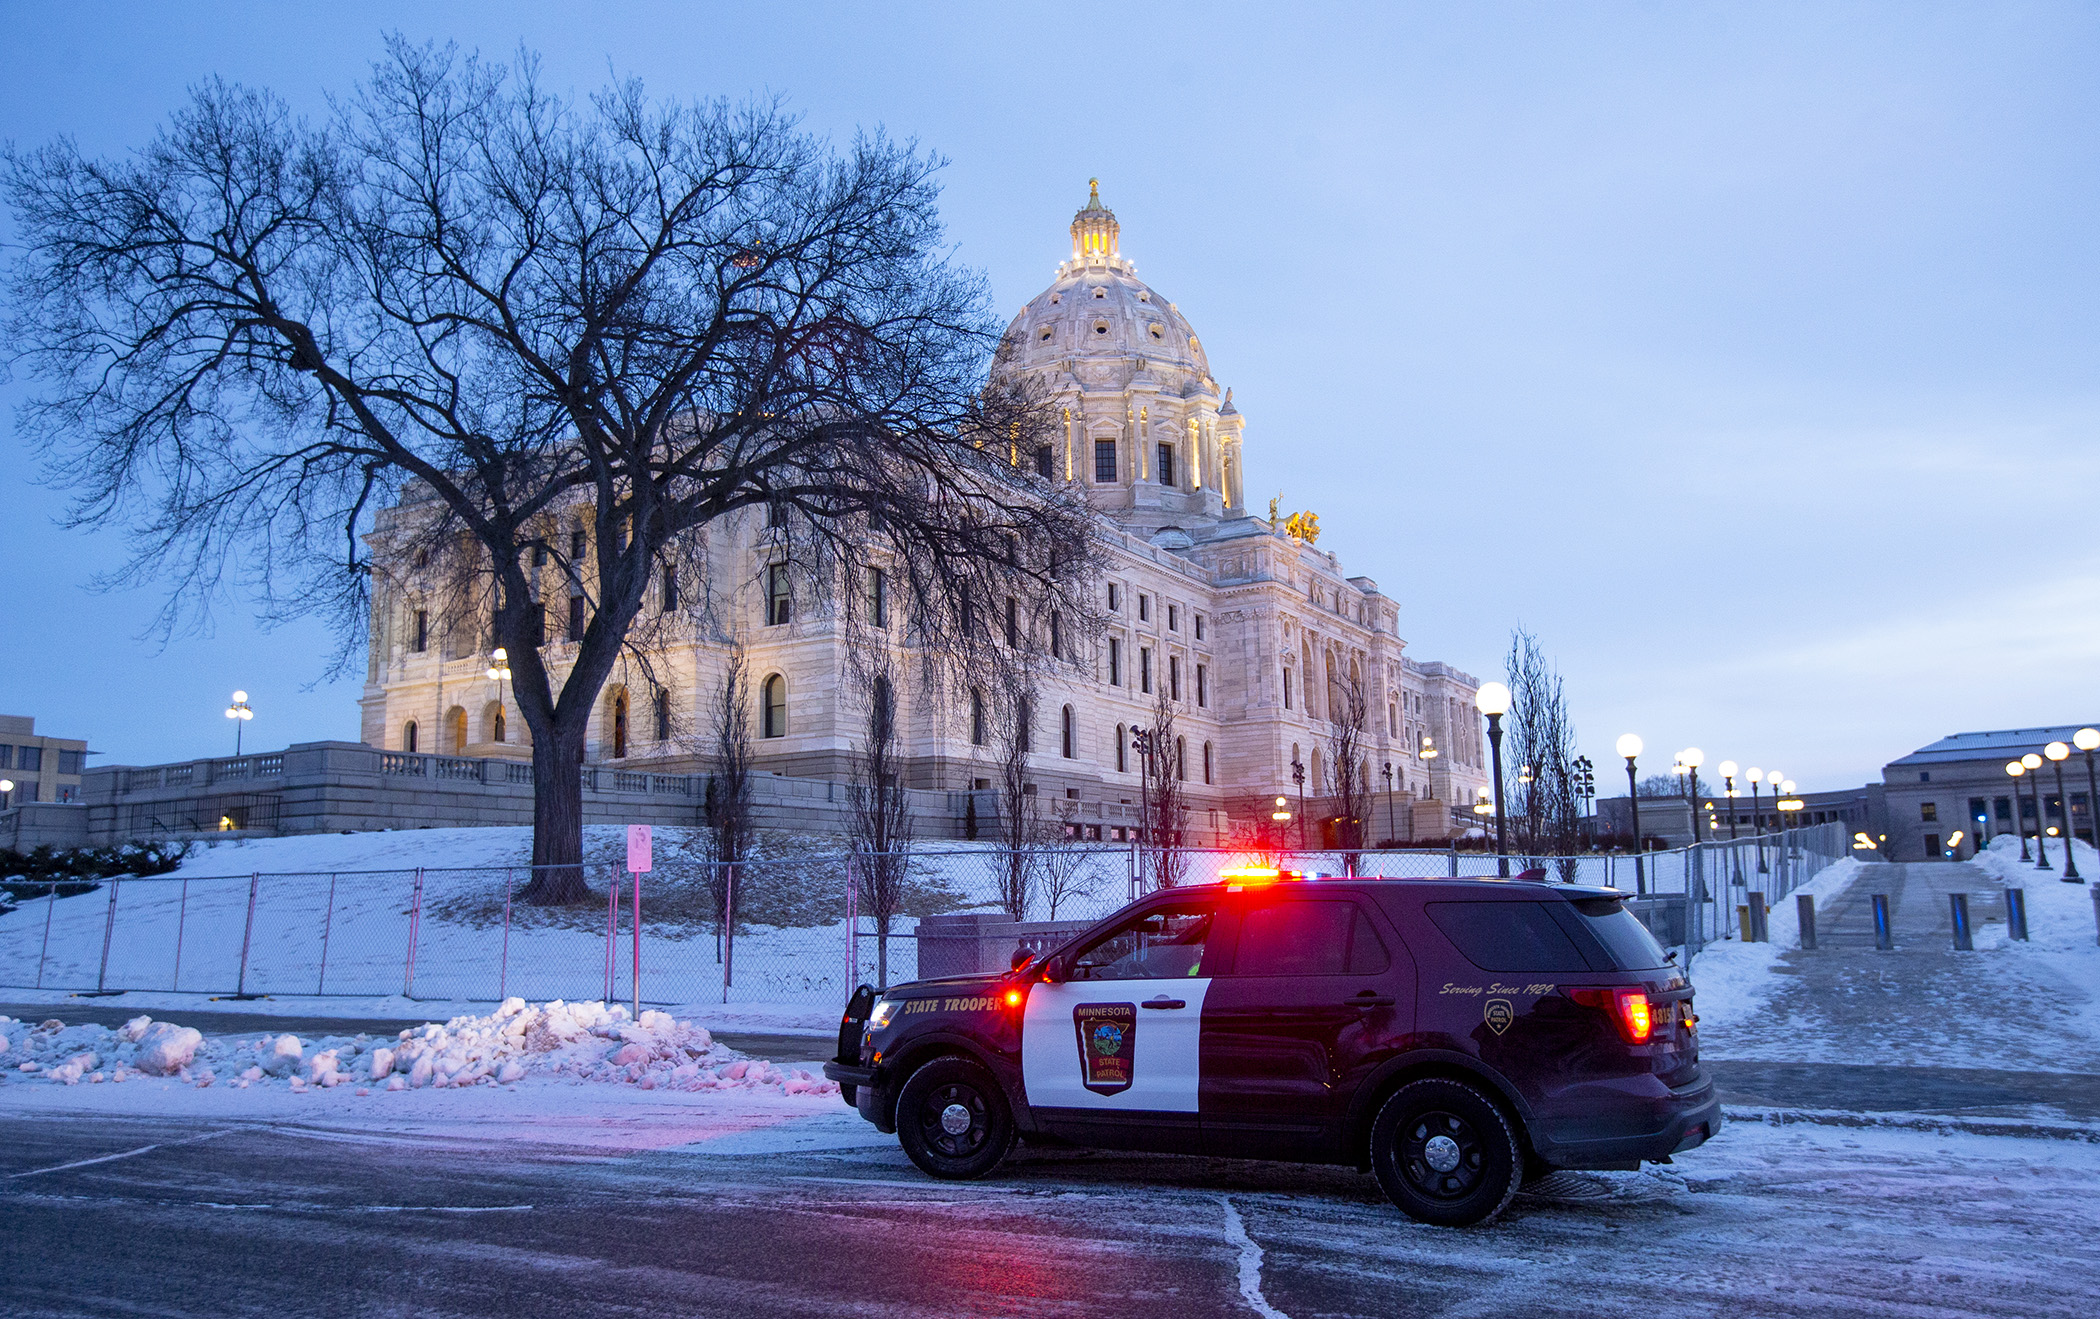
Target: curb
1933 1123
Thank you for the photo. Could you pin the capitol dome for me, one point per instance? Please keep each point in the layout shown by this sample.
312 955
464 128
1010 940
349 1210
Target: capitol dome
1099 319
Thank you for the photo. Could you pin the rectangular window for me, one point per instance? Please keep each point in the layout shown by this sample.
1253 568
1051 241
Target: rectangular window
1932 847
1199 627
1928 810
422 640
1104 462
670 591
1286 689
1203 684
539 555
878 598
7 755
1115 598
68 761
1145 669
2002 808
1144 608
1166 464
1979 811
777 600
1173 618
1115 662
31 758
1042 462
1013 623
575 618
1174 677
578 542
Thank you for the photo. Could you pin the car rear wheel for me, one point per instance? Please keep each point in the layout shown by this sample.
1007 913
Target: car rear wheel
1445 1154
953 1121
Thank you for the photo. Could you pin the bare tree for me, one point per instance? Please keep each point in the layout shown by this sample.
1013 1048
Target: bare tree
1540 742
1162 764
1348 713
727 806
1064 868
1019 807
881 825
493 314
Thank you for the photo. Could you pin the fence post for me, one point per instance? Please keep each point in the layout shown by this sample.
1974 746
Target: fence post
109 929
852 920
1452 854
49 907
1884 937
240 984
415 929
1958 905
327 928
612 920
182 912
1805 916
503 963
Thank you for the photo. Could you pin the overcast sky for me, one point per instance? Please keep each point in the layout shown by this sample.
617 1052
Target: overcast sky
1746 354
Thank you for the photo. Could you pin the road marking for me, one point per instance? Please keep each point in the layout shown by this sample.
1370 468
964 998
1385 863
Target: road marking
127 1154
1250 1263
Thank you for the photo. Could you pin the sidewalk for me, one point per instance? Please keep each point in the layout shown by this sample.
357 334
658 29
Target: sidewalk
1921 1028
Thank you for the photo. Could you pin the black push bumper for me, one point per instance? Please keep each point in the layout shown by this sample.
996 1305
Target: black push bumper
849 1075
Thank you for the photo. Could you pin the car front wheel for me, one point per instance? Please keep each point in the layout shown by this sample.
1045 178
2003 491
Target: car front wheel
1445 1154
953 1121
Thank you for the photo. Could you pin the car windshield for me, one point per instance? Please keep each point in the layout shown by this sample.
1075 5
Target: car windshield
1631 947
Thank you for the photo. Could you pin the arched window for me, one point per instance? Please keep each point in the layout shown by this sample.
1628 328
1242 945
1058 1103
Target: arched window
492 722
1070 735
1181 758
773 720
1207 763
663 716
619 724
1392 720
976 717
456 731
1122 750
408 736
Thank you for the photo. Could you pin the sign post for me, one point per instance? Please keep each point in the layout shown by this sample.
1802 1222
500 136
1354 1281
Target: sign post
639 860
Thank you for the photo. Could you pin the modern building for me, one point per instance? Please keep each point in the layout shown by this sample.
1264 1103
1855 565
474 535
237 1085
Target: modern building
42 769
1960 783
1233 613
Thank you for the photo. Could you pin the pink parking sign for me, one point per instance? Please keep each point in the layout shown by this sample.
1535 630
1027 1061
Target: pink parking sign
638 858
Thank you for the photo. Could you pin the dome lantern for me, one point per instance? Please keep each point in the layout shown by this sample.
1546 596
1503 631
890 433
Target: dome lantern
1096 235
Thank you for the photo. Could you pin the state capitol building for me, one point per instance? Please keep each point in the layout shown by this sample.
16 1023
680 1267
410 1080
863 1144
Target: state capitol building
1236 616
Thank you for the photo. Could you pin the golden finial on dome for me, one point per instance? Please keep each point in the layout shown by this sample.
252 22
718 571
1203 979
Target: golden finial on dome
1093 199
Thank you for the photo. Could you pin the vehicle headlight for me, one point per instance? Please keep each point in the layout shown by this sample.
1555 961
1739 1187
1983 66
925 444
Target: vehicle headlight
884 1010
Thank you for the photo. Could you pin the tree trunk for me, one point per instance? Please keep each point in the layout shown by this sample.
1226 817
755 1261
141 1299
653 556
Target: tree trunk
557 821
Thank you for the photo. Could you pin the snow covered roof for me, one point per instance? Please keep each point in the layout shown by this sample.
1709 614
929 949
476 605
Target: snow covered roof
1996 742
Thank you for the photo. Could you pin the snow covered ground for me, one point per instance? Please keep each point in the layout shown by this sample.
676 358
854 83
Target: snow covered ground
1734 980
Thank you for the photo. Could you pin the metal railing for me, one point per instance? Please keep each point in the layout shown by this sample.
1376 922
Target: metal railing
782 927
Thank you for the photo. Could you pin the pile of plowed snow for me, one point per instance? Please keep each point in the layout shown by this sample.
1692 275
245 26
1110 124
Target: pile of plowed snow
574 1041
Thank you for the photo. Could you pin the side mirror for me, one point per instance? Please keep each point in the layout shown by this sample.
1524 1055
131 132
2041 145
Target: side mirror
1053 971
1021 958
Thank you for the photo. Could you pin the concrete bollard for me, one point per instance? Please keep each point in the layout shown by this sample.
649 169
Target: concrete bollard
1884 936
1805 916
1964 941
1742 922
2016 913
1759 931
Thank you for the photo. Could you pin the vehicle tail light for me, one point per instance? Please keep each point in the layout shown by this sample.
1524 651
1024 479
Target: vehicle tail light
1629 1008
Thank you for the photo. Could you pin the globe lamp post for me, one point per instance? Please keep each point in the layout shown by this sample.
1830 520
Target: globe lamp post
1387 771
1757 820
1629 746
2058 753
1298 777
1492 700
2088 741
2016 769
1728 769
2032 762
240 714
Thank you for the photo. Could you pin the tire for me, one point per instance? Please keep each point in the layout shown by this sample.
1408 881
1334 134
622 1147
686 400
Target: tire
1445 1153
953 1120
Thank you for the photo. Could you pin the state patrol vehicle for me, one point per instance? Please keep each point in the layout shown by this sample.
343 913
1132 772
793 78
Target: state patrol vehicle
1452 1037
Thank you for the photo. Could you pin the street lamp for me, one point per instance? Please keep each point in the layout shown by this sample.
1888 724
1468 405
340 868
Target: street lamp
1629 746
1492 700
1693 758
2058 753
2032 762
1586 794
1757 819
1298 777
2088 741
240 714
1728 768
1387 771
6 786
2016 769
1281 819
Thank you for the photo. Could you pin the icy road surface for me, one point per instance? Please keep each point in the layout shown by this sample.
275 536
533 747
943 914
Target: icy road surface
215 1217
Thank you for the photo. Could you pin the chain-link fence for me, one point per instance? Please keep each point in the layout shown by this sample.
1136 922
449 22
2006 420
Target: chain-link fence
795 929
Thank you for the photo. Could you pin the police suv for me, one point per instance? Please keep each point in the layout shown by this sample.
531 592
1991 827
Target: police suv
1452 1037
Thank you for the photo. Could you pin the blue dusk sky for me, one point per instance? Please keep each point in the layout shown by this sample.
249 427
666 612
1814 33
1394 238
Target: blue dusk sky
1746 354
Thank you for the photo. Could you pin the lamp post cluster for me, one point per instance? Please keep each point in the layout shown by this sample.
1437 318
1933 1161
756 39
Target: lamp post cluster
2087 740
240 713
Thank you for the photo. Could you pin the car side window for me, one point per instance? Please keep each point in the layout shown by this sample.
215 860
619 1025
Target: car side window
1164 943
1508 936
1286 936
